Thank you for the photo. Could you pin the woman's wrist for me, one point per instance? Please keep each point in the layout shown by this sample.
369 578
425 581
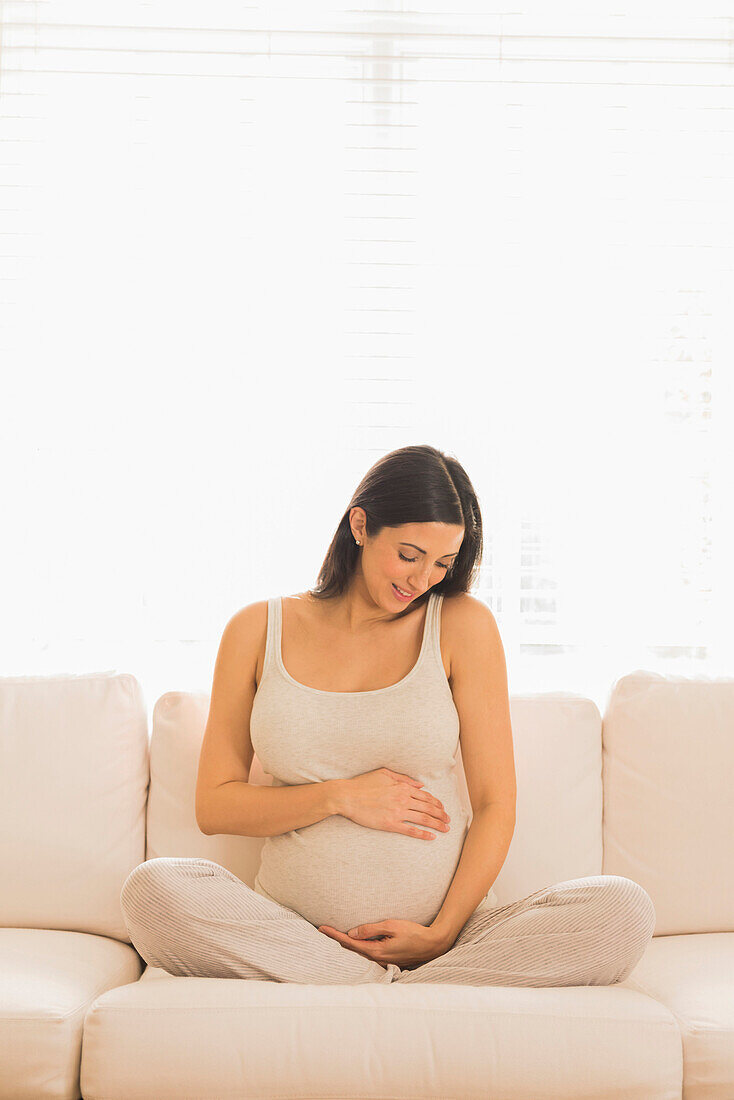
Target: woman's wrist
336 795
444 936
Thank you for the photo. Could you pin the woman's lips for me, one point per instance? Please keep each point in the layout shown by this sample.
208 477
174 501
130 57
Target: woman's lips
403 599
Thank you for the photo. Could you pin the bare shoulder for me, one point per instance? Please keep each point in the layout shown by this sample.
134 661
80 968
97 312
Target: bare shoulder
247 630
250 623
465 609
245 634
253 616
467 624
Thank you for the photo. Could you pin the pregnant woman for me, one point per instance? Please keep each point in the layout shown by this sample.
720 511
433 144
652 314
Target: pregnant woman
355 695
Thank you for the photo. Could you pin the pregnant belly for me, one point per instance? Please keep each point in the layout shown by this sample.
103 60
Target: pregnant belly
342 874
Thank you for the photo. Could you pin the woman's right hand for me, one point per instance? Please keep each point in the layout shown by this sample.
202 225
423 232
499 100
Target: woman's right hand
389 800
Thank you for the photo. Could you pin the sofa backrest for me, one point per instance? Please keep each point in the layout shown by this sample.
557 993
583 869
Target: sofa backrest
84 797
557 740
178 722
73 790
668 772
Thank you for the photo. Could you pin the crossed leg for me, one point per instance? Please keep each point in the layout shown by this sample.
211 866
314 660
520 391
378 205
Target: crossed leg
584 931
194 918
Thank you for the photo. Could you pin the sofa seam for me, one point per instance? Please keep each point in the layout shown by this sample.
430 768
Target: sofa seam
138 1009
103 989
68 1015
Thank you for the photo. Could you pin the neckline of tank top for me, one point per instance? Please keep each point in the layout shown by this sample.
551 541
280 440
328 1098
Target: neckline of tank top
433 599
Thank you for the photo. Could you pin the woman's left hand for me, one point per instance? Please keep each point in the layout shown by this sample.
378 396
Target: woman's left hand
400 941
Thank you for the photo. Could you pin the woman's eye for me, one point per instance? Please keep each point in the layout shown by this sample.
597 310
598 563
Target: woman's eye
403 558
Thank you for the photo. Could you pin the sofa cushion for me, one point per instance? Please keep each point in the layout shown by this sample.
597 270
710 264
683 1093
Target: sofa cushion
48 980
178 722
557 743
197 1037
73 789
668 769
692 976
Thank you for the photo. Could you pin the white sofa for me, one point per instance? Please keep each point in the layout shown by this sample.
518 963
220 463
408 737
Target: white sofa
85 796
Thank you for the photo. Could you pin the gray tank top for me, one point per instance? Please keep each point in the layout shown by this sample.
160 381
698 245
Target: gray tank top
336 872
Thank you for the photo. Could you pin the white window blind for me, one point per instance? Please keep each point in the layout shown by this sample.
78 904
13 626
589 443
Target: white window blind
246 250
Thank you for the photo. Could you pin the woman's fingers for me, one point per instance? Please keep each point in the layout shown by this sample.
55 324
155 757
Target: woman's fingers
347 941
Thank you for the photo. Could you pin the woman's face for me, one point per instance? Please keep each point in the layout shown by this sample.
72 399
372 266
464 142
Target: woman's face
414 557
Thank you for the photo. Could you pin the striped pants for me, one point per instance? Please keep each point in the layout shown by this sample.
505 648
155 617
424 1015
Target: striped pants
192 917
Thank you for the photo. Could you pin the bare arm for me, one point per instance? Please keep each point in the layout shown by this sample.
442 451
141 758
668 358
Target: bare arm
245 810
226 802
480 691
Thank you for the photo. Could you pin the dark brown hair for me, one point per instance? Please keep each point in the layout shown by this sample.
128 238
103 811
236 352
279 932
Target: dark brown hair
418 484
